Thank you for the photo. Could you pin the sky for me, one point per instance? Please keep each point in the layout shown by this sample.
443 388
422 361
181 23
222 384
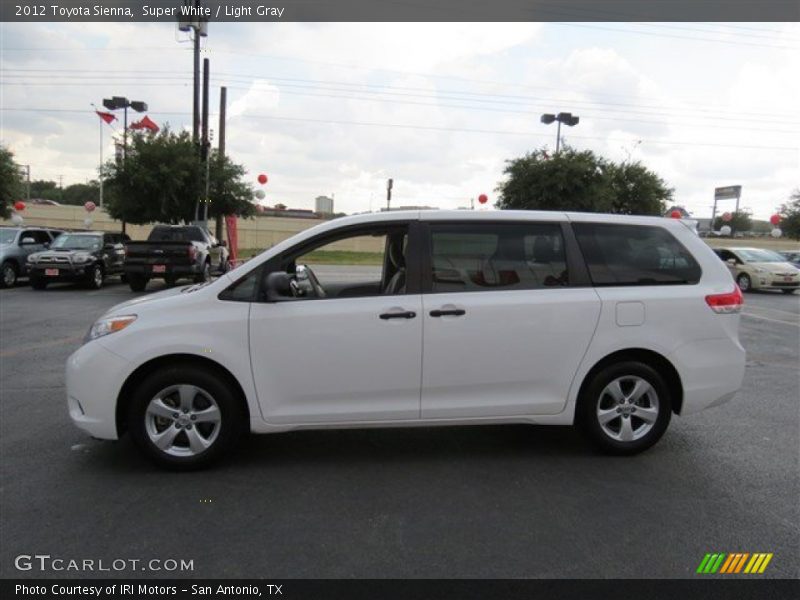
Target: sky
337 108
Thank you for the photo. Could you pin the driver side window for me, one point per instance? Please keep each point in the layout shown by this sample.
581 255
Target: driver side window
363 264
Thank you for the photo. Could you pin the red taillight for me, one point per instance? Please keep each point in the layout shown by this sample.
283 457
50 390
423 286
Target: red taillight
192 252
726 303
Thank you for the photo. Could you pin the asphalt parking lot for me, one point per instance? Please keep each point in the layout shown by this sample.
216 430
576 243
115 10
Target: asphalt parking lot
511 501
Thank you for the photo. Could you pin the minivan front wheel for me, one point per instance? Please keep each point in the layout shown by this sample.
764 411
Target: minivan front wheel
625 408
184 417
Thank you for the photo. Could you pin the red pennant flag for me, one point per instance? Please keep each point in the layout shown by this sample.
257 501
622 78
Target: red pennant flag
107 117
145 123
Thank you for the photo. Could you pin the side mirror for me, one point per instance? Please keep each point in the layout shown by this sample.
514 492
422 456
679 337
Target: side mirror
27 241
731 262
223 243
47 244
109 246
278 287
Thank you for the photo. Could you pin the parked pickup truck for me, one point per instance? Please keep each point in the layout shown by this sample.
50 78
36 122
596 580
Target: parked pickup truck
174 252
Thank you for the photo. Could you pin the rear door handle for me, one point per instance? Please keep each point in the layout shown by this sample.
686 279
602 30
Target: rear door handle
455 312
408 314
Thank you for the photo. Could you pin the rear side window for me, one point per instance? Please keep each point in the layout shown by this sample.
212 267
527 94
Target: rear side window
497 256
634 255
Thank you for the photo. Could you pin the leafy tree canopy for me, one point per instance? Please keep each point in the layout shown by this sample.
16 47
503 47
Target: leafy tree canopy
163 177
790 216
581 181
11 188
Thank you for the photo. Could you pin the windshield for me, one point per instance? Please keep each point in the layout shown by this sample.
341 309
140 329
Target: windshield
7 236
756 255
67 241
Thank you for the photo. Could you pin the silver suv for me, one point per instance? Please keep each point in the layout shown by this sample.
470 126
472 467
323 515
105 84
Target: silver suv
16 243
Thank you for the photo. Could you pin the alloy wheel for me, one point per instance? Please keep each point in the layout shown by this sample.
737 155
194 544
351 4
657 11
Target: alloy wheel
627 408
9 275
744 282
183 420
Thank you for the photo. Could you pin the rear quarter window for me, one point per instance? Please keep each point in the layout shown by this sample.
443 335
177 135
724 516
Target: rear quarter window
635 255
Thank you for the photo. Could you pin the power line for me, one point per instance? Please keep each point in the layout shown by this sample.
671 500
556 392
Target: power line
447 129
389 89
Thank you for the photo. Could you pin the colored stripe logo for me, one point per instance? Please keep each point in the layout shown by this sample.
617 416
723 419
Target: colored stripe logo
735 562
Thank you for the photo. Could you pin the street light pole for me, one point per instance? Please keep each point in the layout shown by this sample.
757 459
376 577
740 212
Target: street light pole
566 118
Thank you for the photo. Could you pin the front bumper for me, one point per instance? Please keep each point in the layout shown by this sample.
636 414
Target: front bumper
66 272
94 378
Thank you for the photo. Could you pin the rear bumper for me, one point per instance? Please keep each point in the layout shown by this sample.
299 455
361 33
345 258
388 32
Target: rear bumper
711 372
94 376
146 270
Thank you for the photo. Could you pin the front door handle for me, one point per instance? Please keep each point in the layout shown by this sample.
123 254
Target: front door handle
398 315
455 312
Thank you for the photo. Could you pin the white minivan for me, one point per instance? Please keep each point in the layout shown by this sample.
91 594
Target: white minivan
418 319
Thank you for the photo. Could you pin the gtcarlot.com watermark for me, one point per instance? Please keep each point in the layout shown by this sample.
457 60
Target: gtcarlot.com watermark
46 562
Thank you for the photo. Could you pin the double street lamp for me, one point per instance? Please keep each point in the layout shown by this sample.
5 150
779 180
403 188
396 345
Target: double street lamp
566 118
117 102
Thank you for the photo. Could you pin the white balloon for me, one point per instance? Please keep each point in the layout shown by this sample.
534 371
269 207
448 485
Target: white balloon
87 222
776 233
260 194
16 219
725 230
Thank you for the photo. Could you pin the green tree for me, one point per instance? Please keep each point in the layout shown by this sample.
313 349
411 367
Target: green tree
740 221
11 186
163 177
45 189
790 216
79 194
581 181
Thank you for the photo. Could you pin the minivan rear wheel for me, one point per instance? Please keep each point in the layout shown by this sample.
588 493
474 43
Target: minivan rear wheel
184 417
625 408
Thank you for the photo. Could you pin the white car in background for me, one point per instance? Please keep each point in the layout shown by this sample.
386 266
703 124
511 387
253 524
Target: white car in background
462 318
759 269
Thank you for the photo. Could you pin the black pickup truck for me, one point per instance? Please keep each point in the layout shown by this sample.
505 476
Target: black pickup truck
174 252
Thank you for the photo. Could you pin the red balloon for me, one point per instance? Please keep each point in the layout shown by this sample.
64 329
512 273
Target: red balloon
483 198
775 219
262 179
19 206
89 206
675 214
727 217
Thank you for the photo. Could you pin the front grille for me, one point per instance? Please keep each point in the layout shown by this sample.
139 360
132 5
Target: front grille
54 259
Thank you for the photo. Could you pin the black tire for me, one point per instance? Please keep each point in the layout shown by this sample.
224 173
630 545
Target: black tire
788 291
593 399
9 275
123 278
232 424
205 274
95 277
38 283
744 282
137 283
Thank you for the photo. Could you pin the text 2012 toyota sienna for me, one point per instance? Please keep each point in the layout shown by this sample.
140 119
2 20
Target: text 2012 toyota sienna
423 318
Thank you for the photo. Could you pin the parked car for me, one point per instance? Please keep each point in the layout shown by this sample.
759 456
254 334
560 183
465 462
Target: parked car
16 243
173 252
454 318
87 257
757 269
792 257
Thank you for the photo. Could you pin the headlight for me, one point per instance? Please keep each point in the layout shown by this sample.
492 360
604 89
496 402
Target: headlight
81 258
32 258
108 325
759 270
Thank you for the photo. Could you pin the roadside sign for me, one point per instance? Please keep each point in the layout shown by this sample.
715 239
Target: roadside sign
728 192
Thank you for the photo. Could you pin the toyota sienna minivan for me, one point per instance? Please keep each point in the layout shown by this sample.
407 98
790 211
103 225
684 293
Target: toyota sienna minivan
426 318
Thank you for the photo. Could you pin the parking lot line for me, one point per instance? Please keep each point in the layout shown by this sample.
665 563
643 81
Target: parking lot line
754 316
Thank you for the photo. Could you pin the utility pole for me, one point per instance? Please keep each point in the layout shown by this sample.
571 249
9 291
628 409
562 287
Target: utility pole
389 183
223 97
196 97
205 147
